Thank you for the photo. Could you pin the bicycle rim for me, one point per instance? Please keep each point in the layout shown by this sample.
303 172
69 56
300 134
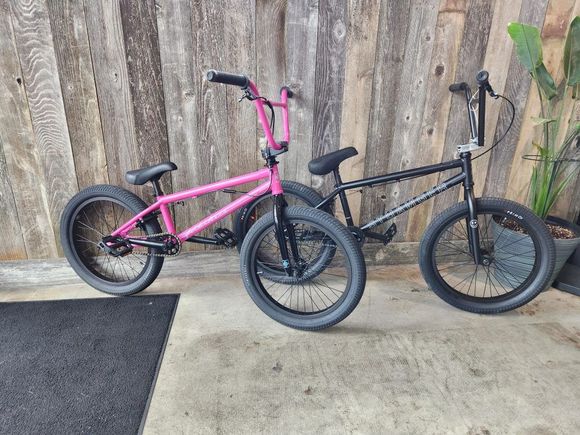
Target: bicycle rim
320 281
95 219
509 253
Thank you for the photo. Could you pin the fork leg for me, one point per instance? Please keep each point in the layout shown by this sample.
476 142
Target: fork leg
279 226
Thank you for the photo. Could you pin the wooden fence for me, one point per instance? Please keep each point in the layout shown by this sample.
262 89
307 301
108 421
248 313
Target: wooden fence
92 89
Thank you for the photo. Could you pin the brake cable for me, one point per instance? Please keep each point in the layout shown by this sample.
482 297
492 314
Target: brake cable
507 130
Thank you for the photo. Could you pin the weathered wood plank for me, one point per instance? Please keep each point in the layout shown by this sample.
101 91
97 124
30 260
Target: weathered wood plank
406 150
448 34
176 53
12 247
145 83
497 51
270 50
36 53
301 43
210 148
105 34
75 68
361 42
479 15
16 274
517 88
329 84
390 49
240 57
23 164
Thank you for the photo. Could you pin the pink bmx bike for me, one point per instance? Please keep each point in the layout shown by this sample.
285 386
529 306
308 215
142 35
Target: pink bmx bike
300 265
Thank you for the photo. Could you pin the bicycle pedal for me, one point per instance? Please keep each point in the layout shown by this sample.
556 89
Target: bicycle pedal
225 237
389 234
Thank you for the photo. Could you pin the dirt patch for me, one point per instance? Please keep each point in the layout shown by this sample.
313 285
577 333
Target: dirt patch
562 335
530 309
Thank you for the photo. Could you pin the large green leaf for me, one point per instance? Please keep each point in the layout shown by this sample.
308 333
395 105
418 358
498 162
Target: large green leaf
572 53
545 81
528 44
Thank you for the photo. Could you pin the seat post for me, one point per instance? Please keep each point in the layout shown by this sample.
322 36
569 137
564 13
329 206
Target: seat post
343 200
156 187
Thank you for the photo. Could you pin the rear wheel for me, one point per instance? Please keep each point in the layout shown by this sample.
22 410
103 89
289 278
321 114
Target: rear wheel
322 290
93 214
517 256
294 193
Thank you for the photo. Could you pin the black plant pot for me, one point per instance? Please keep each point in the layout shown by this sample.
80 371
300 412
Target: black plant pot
519 265
569 277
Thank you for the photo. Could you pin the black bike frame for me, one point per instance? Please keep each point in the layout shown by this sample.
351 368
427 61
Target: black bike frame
465 177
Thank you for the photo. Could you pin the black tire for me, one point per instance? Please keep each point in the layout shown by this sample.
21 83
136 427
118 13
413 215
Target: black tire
93 213
515 268
328 294
294 193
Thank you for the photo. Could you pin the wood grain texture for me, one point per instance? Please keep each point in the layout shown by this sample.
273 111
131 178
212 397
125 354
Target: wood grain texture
498 49
75 68
389 59
145 83
176 53
12 247
22 162
124 87
479 15
270 50
39 69
329 85
240 56
301 42
110 67
517 89
210 149
410 104
361 42
447 40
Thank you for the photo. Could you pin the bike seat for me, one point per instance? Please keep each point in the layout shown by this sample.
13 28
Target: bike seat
329 162
151 173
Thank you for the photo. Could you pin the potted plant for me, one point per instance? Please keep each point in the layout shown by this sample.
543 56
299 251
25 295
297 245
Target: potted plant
556 160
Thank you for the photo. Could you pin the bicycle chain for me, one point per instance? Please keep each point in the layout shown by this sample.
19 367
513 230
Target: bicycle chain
149 254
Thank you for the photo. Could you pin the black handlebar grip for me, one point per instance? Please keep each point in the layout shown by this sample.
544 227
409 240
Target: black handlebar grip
456 87
227 78
482 77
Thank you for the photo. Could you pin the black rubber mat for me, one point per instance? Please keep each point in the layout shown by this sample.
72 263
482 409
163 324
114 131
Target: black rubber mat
81 366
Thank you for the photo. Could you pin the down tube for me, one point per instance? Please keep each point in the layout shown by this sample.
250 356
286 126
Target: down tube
224 211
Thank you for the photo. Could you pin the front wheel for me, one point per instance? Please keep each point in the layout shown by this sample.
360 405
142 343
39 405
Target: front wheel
516 250
314 296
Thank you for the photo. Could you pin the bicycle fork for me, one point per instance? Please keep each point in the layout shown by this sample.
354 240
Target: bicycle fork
472 223
282 230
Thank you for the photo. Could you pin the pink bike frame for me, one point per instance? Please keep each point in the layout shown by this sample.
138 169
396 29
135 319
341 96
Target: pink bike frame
273 184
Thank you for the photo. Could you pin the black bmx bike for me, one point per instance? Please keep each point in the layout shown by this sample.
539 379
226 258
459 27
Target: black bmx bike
484 255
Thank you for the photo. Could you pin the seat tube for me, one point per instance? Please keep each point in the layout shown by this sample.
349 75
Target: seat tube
472 222
343 199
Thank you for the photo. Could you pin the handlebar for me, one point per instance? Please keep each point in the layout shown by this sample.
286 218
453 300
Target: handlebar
477 129
251 92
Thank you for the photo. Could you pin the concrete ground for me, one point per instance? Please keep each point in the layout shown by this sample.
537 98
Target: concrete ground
403 362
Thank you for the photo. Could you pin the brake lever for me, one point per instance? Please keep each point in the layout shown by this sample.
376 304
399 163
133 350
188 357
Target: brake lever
247 95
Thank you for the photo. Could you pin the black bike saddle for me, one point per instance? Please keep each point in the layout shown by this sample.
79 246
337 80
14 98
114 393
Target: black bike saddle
329 162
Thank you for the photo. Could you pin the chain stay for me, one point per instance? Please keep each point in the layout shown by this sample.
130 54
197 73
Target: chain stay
172 236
